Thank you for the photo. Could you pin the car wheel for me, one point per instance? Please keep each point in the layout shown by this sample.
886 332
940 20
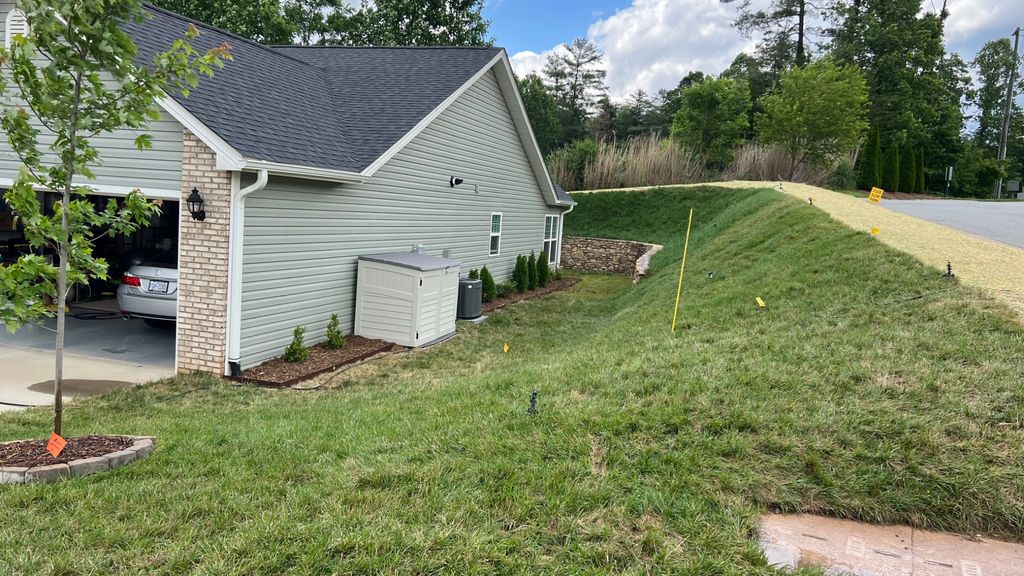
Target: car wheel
163 324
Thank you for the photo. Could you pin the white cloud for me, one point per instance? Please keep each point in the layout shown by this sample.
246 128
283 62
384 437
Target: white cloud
653 43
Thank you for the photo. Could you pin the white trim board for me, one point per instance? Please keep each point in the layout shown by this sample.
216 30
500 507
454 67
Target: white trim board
104 190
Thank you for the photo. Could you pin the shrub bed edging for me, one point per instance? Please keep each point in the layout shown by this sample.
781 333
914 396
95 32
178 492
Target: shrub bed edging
141 447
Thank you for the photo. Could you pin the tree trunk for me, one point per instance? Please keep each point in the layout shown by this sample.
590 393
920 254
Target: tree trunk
62 269
801 56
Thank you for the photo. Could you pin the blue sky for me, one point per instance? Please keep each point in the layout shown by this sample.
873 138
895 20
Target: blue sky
651 44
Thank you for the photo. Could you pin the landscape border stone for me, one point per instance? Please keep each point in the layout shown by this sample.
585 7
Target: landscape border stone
141 447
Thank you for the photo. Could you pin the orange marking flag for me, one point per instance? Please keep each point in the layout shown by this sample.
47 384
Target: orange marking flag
875 195
56 445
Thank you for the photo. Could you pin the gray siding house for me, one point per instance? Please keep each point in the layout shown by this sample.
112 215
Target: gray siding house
308 157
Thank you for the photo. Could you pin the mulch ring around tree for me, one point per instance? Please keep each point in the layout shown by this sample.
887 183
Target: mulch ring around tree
32 453
280 372
553 286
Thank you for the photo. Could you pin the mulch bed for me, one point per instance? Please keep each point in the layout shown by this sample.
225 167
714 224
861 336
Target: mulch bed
553 286
280 372
31 453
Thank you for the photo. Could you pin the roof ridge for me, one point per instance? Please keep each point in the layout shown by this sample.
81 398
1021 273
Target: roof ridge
208 26
341 46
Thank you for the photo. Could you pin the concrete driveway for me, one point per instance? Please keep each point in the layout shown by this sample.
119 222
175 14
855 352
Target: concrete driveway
101 353
999 221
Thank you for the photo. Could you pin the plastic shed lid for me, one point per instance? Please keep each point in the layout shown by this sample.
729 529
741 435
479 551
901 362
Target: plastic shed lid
414 260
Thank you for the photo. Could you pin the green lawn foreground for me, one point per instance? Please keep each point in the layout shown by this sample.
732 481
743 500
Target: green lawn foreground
870 388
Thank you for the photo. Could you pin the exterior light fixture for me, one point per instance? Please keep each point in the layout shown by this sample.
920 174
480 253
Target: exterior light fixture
453 181
195 205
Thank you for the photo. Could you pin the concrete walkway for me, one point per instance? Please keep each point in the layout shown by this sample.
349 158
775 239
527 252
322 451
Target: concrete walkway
847 547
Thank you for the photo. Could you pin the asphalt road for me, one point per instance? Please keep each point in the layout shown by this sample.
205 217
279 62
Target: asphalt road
999 221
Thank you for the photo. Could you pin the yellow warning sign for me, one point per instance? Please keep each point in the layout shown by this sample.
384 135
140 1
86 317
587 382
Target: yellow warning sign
505 348
875 195
760 302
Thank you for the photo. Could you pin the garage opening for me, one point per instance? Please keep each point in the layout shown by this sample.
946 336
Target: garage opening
120 330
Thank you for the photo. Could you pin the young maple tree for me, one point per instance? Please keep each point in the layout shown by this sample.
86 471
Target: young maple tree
70 78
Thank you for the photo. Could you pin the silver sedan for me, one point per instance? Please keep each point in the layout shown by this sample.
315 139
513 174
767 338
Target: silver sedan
150 290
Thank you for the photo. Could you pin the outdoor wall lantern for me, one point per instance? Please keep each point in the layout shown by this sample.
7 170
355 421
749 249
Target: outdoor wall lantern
453 181
195 205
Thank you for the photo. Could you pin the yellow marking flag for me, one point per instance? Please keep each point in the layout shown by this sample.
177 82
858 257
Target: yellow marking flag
875 195
505 348
875 231
759 301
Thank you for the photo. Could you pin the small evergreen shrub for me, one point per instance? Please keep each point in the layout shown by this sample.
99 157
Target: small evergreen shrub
474 274
490 290
521 275
531 272
505 289
297 351
543 269
335 338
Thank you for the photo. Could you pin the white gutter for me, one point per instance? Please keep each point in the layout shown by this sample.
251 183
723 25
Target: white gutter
237 236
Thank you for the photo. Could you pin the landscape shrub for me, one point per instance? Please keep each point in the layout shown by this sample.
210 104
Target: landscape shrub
505 289
543 269
531 272
521 274
474 274
870 173
641 161
771 162
487 283
919 180
297 351
335 337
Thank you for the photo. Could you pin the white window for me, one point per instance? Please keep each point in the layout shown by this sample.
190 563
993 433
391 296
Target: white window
17 24
551 238
495 234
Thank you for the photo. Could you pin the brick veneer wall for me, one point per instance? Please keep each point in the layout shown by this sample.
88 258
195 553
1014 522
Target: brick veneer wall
604 255
203 262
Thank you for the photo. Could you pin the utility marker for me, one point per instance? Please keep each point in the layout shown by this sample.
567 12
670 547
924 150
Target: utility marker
56 445
760 303
875 231
505 348
682 268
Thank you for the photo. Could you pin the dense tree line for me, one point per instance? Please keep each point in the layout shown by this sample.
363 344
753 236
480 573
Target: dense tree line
831 83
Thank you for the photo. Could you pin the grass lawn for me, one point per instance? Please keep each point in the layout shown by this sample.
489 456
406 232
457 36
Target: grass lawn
868 388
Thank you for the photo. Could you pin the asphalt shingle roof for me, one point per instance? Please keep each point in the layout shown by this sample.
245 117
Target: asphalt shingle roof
329 107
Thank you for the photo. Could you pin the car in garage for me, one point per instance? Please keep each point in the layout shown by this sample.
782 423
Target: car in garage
149 290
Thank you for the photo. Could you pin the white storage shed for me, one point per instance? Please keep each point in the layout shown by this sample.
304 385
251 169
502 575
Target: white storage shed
407 298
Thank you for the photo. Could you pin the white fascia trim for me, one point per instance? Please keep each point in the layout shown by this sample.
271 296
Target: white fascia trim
517 109
397 146
299 171
228 158
104 190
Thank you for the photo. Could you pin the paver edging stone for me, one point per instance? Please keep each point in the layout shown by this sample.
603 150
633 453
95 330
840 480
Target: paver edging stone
141 447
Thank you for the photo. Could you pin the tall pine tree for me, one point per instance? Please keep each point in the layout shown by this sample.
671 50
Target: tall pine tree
891 168
871 161
908 168
919 182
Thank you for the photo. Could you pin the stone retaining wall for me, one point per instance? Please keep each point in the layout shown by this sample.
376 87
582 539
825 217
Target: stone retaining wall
605 255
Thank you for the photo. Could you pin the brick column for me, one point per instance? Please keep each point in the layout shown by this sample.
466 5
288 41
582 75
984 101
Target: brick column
203 262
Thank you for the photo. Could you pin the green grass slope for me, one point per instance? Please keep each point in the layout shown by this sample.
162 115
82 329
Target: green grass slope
869 388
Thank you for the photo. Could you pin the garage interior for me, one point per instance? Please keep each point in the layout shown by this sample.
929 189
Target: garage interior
102 349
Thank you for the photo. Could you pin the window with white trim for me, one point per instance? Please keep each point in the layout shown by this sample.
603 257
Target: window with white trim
495 234
16 25
551 238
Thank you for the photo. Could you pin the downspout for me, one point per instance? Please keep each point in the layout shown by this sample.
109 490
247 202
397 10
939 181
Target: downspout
561 238
235 272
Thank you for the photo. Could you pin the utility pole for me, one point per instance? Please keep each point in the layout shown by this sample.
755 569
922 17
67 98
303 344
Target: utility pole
1008 108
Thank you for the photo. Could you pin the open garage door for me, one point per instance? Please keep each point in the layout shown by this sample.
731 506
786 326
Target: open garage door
105 347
